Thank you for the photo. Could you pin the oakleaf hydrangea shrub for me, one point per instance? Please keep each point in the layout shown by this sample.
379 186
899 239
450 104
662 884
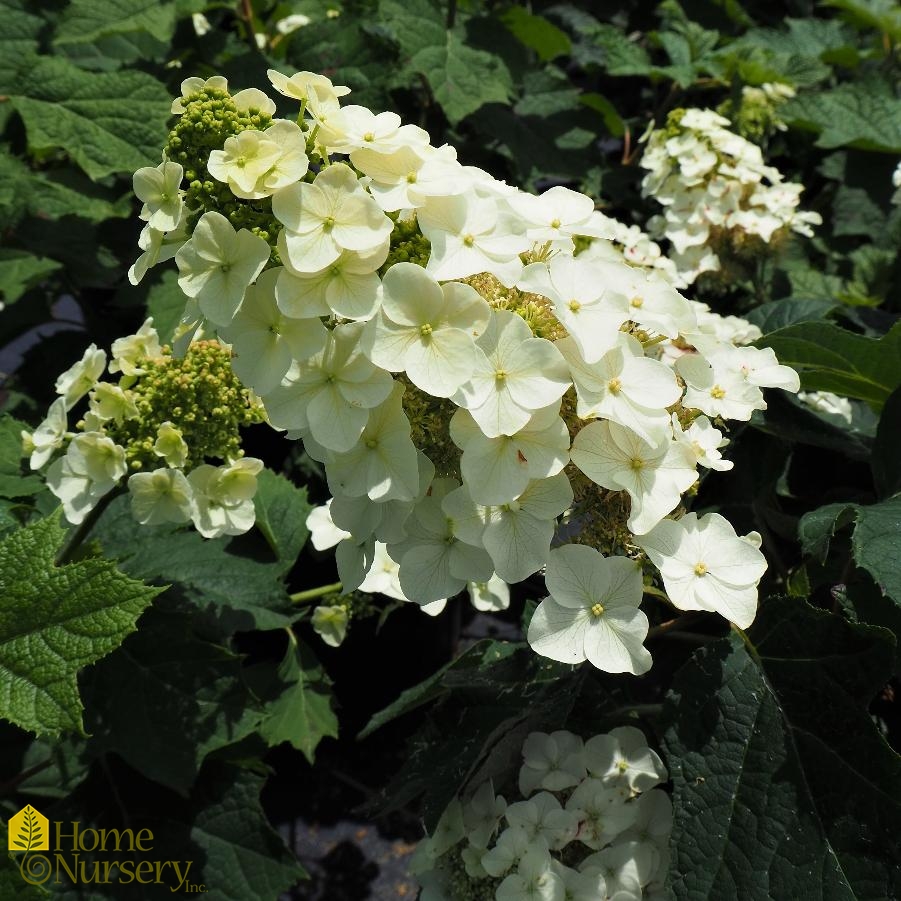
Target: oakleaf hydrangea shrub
585 821
493 385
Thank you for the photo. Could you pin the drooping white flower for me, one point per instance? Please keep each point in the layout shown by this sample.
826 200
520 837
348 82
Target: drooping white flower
592 612
515 375
491 596
159 189
654 475
157 247
170 445
706 566
49 435
323 531
331 214
217 265
382 464
127 352
332 393
222 497
426 329
81 377
161 496
264 341
330 622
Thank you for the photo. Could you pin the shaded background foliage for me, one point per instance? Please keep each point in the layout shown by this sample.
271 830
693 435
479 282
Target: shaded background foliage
779 743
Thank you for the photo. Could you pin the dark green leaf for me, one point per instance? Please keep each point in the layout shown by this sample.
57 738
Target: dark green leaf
53 621
219 577
13 483
777 314
106 121
166 699
545 38
20 271
886 460
817 528
166 304
302 714
783 787
876 544
281 513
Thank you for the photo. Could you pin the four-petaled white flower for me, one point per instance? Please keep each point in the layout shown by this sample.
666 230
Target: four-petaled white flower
161 496
222 497
81 377
426 329
217 265
706 566
592 612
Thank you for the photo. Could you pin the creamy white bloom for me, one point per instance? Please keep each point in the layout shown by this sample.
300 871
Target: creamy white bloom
496 470
157 247
170 445
49 435
382 464
81 377
108 401
264 341
706 566
315 90
330 623
242 163
161 496
348 287
622 757
332 393
515 375
331 214
357 127
127 352
551 761
323 531
605 813
534 879
91 467
555 216
222 497
718 387
195 84
703 441
426 329
623 386
654 475
542 816
470 234
218 264
160 191
592 612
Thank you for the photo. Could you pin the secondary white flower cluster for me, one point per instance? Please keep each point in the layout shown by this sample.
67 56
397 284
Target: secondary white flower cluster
128 436
718 193
588 825
466 376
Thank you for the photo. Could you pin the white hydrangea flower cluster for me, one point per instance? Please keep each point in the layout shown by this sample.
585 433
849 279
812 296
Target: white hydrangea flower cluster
468 379
589 825
151 431
720 198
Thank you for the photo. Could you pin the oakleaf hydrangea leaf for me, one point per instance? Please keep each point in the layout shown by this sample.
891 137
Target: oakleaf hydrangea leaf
53 621
106 121
783 786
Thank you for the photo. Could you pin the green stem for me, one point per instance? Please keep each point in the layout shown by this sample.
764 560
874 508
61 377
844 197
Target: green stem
76 538
301 597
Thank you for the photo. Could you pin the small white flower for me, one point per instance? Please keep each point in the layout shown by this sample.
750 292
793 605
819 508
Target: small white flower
604 812
222 497
622 756
170 445
551 761
81 377
127 352
243 162
323 531
706 566
160 191
592 612
49 435
218 264
108 401
330 624
161 496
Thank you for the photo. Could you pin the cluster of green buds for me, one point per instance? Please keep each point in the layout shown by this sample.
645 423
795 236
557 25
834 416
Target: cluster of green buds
152 430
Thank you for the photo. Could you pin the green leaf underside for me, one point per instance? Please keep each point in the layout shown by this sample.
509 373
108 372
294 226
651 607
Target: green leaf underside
829 358
12 482
53 621
281 513
783 787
